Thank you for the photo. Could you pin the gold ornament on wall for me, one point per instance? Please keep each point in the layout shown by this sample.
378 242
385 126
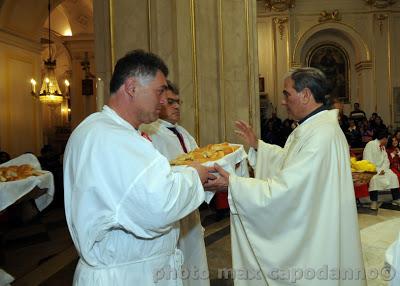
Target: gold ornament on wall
380 3
281 27
279 5
325 16
380 18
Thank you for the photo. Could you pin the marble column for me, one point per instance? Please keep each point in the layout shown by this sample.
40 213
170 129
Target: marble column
210 48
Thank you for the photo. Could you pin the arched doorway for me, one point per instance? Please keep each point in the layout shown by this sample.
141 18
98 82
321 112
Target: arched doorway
355 67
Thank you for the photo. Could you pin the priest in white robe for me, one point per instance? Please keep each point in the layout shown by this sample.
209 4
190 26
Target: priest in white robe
392 258
172 140
296 222
385 179
121 198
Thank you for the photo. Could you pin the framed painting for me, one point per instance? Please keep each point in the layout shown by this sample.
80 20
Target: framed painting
334 62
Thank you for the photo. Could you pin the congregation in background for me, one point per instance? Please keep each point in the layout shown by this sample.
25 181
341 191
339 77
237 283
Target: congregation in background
357 126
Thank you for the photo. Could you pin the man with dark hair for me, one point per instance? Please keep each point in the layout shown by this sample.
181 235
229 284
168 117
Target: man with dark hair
385 178
168 137
357 114
172 140
299 212
121 198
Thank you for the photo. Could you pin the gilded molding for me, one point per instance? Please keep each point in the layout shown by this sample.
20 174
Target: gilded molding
319 26
112 36
380 3
295 65
279 5
149 24
13 39
390 88
260 14
250 91
194 69
380 18
288 47
280 23
363 65
275 66
221 68
325 16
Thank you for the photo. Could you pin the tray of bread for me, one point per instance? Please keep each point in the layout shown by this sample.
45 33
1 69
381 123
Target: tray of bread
23 177
209 153
18 172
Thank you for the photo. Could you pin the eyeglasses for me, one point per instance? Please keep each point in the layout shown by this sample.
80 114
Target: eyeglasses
285 94
171 101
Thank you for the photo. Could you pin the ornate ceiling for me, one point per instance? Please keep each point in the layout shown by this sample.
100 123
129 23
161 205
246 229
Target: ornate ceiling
28 18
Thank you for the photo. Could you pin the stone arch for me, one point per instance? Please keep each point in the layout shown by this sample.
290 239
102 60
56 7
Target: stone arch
362 51
360 64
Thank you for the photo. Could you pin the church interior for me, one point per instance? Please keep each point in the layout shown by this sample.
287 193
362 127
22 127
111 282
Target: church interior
229 59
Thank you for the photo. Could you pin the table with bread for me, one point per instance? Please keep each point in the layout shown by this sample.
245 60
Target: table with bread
22 177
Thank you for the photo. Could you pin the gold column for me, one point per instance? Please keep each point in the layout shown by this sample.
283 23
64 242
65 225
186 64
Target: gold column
221 68
111 3
194 67
250 86
149 23
390 88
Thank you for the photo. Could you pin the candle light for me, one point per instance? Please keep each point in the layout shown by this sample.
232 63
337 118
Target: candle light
33 83
66 82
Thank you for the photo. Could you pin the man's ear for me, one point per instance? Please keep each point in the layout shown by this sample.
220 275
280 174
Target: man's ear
130 86
306 96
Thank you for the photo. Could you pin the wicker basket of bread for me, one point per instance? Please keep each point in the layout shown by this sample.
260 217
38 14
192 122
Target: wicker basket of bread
361 178
362 171
211 152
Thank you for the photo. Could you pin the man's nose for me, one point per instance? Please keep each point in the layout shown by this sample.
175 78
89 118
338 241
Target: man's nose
284 102
163 99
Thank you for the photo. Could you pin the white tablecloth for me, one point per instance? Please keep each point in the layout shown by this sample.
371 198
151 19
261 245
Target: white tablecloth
5 278
228 163
10 192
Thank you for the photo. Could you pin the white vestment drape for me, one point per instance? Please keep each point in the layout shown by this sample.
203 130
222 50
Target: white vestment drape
191 238
297 221
393 259
122 202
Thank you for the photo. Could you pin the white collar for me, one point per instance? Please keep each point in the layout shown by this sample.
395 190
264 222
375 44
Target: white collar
167 124
108 111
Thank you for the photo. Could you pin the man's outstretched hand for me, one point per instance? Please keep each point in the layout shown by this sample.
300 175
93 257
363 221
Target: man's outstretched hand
221 183
204 172
246 133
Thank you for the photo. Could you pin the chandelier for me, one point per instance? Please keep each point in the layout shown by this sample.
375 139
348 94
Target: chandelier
380 3
279 5
50 93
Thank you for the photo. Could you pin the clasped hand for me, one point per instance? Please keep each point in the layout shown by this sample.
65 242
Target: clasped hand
220 183
211 182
